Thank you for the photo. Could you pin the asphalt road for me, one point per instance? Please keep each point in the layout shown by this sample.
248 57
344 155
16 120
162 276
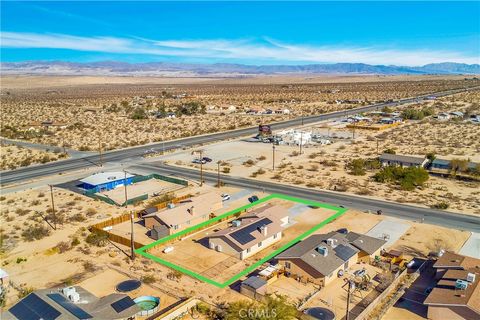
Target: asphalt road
36 171
431 216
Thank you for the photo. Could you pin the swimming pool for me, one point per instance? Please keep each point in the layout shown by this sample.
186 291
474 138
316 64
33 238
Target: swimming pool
148 305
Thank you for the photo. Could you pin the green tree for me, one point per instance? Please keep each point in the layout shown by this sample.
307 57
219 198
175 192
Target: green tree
458 165
389 151
139 114
431 156
357 167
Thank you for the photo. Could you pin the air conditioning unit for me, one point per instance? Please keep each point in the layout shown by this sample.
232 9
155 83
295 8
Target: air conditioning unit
323 251
67 291
332 242
461 284
471 277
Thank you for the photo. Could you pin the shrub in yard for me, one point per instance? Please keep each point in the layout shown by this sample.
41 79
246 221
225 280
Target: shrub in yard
35 232
148 279
91 212
98 239
63 246
25 291
440 205
78 217
226 170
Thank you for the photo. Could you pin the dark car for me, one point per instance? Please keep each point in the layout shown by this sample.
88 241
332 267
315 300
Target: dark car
379 212
252 199
207 159
343 230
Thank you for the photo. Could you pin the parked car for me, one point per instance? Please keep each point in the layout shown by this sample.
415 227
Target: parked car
207 159
379 212
253 198
199 161
343 230
149 151
225 197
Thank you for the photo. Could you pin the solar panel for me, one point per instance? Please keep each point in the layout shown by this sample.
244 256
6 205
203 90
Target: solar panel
344 252
244 235
69 306
32 307
122 304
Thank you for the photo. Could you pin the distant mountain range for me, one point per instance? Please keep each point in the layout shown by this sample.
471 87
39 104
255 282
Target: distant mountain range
106 68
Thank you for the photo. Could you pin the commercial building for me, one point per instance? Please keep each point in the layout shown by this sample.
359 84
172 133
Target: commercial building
319 258
456 295
252 233
104 181
72 303
184 214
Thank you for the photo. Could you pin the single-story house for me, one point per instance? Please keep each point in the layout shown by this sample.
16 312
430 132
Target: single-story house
457 114
443 164
442 116
252 233
104 181
320 257
388 159
72 303
456 295
254 287
186 213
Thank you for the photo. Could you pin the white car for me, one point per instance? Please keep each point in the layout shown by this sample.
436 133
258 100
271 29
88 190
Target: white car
225 197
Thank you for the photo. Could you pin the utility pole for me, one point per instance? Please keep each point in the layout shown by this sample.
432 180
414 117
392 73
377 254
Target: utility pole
351 285
302 119
377 144
132 246
301 141
53 208
63 145
201 165
218 174
273 156
125 182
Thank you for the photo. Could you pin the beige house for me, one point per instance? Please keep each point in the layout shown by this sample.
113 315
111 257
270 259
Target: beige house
457 293
186 213
251 234
319 258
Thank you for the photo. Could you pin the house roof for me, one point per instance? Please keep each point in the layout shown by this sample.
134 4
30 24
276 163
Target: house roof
453 260
365 243
249 233
202 205
346 246
105 177
402 158
445 293
52 304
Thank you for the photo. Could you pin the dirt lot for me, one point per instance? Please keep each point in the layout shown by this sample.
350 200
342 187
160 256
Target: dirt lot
149 187
192 252
13 157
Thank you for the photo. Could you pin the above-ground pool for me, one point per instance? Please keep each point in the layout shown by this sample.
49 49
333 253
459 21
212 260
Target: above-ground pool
128 285
148 304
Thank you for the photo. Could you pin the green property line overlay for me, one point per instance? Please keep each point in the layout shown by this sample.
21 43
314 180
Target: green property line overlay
143 250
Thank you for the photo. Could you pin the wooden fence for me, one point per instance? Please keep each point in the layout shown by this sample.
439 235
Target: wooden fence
100 227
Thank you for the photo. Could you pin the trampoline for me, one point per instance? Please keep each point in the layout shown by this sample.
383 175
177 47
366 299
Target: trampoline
128 285
320 313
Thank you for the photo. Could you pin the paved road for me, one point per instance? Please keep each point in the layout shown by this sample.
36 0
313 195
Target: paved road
28 173
431 216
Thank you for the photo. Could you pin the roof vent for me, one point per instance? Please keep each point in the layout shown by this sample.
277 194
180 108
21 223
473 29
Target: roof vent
471 277
323 251
461 284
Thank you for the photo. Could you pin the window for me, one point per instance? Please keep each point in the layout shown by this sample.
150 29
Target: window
248 250
287 265
275 236
260 244
175 227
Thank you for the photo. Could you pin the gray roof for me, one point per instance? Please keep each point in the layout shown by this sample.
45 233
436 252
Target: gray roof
365 243
98 308
346 246
105 177
254 282
402 158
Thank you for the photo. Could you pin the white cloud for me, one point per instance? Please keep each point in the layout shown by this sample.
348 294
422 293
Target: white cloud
235 50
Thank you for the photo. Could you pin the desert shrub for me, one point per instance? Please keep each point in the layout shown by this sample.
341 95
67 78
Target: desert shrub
161 199
91 212
75 242
407 178
139 114
191 108
415 114
78 217
88 266
96 238
63 246
147 279
356 167
442 205
35 232
25 291
2 198
226 170
389 151
458 165
249 163
261 158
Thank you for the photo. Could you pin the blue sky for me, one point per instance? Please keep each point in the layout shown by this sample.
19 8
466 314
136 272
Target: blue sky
407 33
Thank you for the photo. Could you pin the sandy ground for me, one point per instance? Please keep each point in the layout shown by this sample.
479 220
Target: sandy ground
13 157
92 113
324 166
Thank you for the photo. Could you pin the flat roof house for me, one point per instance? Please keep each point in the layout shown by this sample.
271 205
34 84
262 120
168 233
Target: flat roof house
72 303
388 159
320 257
443 164
457 292
252 233
104 181
186 213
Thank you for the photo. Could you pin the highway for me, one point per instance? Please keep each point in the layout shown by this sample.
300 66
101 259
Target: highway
403 211
36 171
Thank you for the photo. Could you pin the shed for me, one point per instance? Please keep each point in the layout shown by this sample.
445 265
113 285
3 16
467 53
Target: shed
254 288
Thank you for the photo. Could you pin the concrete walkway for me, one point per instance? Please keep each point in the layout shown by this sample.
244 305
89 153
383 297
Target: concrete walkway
393 229
472 246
